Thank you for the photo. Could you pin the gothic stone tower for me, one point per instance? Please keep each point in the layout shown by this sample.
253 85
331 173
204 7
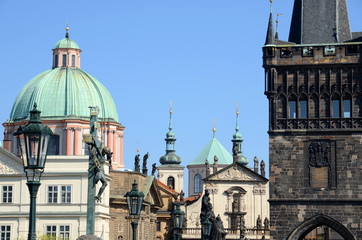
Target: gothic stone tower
313 83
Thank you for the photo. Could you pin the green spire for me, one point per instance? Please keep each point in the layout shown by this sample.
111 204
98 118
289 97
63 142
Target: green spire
170 157
237 140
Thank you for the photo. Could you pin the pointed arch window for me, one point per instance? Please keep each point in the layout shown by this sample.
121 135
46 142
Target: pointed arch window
292 109
171 182
336 108
303 108
197 183
346 108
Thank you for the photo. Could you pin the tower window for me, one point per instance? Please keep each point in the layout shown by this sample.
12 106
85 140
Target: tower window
347 108
171 182
64 60
292 109
197 184
56 60
303 109
53 145
335 109
73 60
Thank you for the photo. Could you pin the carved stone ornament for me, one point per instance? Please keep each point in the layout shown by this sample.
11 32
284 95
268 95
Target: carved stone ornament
9 167
259 190
235 174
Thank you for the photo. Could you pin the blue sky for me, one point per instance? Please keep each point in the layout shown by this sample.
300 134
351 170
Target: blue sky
204 55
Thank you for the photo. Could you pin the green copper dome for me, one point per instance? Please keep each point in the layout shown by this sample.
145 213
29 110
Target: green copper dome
66 43
64 93
213 148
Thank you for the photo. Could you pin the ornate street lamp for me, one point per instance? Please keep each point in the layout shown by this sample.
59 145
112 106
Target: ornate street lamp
178 219
134 200
206 229
33 146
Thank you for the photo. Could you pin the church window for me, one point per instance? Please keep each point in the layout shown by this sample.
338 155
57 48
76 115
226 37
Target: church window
197 183
56 60
303 109
292 109
53 145
5 232
73 60
64 60
335 109
346 108
171 182
7 194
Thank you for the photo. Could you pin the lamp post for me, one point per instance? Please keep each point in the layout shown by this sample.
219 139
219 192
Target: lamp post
33 146
178 220
134 200
206 229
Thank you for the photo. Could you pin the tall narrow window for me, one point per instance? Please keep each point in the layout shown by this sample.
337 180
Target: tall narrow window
53 145
292 109
303 109
197 183
5 232
73 60
7 194
56 60
171 182
347 108
335 109
64 60
52 194
66 194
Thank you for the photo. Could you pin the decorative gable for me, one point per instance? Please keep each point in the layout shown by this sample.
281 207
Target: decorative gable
9 164
236 172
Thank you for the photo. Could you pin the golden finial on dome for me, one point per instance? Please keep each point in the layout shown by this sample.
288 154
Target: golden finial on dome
214 130
237 110
66 31
67 28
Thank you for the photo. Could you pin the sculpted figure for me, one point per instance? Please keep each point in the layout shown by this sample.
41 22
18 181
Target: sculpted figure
137 163
154 168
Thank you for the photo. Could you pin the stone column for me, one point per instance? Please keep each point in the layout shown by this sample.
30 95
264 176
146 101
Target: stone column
76 141
68 150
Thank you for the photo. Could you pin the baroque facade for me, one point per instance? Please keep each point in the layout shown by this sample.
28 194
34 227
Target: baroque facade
313 84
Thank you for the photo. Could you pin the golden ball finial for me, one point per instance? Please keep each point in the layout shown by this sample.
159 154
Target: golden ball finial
137 150
213 130
67 28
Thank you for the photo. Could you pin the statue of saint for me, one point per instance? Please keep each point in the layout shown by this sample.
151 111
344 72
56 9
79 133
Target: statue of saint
137 163
154 168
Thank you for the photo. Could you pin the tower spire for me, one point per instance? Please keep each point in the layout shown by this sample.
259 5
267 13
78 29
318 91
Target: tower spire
237 140
170 157
270 32
322 21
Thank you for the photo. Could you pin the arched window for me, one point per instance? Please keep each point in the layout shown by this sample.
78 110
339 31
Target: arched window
347 106
171 182
197 183
56 60
73 60
325 107
292 107
64 60
336 107
53 145
314 107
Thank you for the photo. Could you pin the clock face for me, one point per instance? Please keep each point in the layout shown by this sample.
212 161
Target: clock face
329 51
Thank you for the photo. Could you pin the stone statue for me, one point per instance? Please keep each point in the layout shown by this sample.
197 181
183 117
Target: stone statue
262 168
137 163
206 207
154 169
266 223
144 165
207 165
217 231
258 223
242 229
256 164
182 196
215 165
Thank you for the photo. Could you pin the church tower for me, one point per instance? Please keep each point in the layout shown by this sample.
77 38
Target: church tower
313 85
170 172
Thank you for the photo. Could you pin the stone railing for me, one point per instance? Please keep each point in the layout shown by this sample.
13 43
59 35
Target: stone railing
251 233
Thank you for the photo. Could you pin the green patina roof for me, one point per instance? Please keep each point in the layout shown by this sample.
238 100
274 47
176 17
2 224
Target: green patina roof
66 43
213 148
64 93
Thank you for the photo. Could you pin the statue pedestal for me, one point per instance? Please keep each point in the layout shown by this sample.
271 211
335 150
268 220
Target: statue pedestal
88 237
